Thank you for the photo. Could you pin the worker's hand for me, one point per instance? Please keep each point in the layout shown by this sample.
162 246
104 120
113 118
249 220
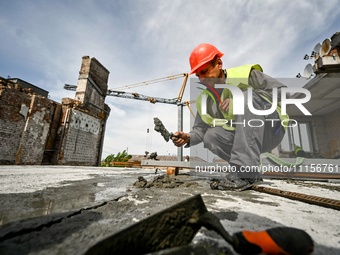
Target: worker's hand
224 106
180 138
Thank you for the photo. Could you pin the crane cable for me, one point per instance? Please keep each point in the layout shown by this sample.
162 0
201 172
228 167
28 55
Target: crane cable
144 83
148 141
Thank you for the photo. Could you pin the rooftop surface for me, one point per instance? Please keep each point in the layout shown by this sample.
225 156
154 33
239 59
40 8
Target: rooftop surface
66 210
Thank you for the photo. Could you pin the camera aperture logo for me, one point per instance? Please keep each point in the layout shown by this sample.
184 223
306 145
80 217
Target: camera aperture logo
238 104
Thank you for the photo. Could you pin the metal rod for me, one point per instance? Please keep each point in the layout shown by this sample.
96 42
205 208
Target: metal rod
180 128
181 92
310 199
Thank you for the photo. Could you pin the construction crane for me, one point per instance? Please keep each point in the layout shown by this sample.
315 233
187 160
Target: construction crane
132 95
138 96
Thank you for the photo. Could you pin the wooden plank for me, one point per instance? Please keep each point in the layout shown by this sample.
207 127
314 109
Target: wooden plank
125 164
160 163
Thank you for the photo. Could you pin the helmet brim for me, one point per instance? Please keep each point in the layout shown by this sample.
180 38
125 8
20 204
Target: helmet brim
206 60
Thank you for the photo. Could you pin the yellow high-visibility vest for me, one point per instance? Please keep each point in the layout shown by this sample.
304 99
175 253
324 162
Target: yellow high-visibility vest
239 77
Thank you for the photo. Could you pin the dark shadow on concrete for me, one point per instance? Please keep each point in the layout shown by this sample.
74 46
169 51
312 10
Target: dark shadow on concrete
35 234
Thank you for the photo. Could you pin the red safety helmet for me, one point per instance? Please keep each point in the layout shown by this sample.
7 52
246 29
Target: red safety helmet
202 54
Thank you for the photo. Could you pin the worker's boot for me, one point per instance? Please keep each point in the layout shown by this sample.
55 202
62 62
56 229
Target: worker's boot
237 181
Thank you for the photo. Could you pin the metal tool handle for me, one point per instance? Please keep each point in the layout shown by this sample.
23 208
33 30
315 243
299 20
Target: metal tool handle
211 222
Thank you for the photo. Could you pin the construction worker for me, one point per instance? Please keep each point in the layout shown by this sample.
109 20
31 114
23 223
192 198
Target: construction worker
239 143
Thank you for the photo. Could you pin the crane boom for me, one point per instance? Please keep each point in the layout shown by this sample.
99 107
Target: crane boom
131 95
142 97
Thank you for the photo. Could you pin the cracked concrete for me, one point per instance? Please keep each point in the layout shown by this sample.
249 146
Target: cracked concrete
66 210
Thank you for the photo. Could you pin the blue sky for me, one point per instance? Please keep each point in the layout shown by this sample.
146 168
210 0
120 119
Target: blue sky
43 42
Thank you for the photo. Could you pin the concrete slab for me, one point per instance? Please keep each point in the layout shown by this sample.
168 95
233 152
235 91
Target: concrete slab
66 210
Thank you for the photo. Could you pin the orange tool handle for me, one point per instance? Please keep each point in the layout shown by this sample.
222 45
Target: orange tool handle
275 241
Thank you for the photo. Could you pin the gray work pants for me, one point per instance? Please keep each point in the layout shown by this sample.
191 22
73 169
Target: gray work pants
243 146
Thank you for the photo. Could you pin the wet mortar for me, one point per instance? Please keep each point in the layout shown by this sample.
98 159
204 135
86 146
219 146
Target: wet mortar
165 181
183 180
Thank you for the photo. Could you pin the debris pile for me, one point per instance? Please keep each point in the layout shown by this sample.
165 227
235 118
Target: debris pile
163 181
153 155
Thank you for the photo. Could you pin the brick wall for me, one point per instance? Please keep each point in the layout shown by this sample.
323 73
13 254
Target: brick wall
34 136
81 142
14 106
36 130
92 84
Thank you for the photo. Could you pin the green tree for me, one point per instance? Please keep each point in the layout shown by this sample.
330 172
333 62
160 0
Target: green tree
120 157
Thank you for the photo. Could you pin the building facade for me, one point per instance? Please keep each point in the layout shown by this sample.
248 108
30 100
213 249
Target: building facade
318 134
37 130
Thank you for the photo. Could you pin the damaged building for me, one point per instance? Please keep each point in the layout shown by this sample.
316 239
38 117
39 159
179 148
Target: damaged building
318 134
37 130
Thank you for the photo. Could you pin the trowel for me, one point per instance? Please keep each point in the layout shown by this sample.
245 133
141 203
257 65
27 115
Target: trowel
177 225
